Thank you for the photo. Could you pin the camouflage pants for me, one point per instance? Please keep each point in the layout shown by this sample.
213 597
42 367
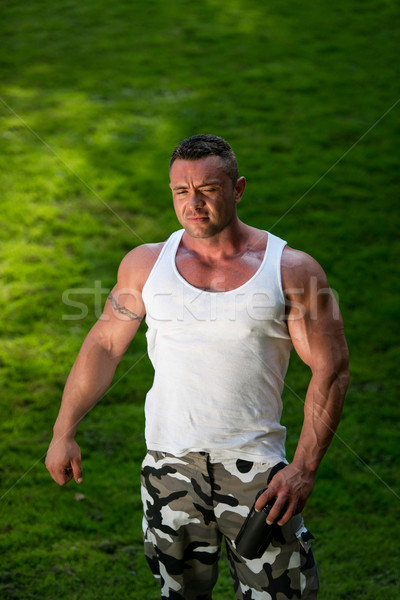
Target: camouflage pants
190 504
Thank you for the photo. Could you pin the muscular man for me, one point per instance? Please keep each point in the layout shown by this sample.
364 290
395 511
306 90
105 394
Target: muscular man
224 304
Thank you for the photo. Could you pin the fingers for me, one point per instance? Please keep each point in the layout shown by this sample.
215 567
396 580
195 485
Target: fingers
264 499
77 470
282 511
283 507
287 492
61 475
63 461
65 475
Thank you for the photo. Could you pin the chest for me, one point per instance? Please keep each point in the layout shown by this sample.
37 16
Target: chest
219 276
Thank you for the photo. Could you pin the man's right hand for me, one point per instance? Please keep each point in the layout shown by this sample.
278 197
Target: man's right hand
63 460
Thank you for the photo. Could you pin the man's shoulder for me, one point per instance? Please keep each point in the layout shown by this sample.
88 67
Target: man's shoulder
136 266
298 268
143 256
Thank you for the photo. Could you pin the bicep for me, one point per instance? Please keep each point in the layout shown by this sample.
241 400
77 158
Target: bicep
315 323
123 313
318 337
124 310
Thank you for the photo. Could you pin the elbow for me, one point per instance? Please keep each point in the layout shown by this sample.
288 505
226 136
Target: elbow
344 371
104 345
112 352
333 372
344 380
340 377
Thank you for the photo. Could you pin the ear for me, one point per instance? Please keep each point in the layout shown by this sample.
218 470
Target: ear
239 188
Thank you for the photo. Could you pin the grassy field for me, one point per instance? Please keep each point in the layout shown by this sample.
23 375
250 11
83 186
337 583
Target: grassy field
93 97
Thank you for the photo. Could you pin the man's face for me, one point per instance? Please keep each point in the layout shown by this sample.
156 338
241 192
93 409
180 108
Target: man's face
204 195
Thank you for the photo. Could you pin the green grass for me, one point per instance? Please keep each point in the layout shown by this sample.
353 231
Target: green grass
93 98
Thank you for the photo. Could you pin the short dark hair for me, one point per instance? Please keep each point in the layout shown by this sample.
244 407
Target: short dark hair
205 144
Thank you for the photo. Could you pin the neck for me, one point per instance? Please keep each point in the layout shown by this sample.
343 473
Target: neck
227 242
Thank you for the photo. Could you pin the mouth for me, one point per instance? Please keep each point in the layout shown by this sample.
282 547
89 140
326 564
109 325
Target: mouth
197 215
197 218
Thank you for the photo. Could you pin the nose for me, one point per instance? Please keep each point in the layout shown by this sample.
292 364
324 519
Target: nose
196 200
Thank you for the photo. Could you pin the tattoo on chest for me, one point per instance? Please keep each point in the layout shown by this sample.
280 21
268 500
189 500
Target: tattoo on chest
123 310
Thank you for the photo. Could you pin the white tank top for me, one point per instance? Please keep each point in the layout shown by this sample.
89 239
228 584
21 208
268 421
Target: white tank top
220 359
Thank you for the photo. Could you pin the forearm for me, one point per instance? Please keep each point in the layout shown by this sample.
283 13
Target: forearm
322 412
88 380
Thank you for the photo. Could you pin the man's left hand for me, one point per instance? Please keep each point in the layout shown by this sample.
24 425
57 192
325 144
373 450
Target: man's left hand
291 487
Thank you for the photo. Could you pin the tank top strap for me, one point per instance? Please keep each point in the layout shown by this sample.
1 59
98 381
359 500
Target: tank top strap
271 266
